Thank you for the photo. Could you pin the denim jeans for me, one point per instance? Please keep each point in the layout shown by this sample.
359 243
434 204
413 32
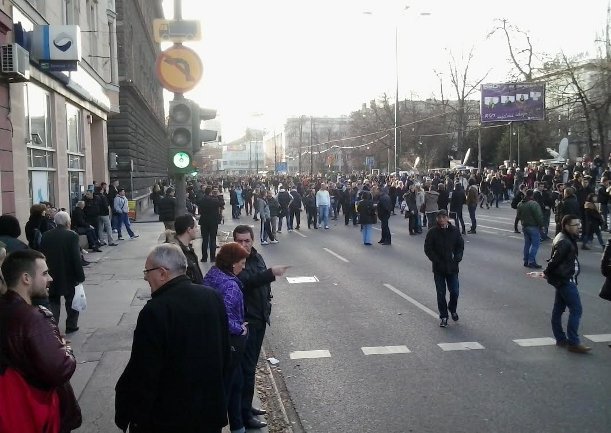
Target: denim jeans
124 220
472 209
323 216
453 287
532 240
366 232
567 295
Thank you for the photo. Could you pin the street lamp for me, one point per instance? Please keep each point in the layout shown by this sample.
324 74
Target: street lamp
396 120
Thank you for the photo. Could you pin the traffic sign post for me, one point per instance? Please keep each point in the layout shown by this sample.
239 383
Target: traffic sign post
179 69
176 31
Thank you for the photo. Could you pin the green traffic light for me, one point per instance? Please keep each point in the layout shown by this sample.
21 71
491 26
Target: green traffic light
181 160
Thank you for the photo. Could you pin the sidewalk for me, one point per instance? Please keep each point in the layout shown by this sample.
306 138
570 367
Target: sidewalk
116 291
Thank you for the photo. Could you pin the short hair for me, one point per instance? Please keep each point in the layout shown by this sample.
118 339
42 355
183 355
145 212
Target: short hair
9 226
230 254
530 193
37 209
19 262
169 191
208 190
170 257
569 191
81 202
565 220
62 218
184 223
241 229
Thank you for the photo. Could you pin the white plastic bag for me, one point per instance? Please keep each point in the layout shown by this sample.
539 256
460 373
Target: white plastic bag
79 302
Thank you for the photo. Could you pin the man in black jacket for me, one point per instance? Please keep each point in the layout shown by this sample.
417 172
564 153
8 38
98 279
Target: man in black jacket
444 247
167 209
186 232
173 381
384 210
256 279
561 272
209 215
61 248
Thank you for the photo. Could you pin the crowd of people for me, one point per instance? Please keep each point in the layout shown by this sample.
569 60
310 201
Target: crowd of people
197 341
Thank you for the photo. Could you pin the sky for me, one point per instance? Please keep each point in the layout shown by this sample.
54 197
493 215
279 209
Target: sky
266 60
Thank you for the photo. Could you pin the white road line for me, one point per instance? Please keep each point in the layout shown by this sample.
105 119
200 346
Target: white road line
412 300
490 218
488 232
531 342
336 255
495 228
300 234
599 338
467 345
516 237
310 354
384 350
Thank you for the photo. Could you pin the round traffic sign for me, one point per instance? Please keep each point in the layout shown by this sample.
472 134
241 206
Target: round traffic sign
179 69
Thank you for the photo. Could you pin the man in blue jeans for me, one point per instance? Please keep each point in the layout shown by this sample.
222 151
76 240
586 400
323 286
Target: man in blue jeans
561 272
444 247
531 215
256 280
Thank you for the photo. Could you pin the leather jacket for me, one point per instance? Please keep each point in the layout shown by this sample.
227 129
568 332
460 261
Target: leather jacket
31 344
563 266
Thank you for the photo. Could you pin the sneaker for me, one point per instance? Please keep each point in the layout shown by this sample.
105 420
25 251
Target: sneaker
534 266
113 244
134 236
264 243
289 230
120 238
279 231
454 317
326 227
273 242
444 323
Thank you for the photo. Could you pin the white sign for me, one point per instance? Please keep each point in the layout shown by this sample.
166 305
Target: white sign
299 280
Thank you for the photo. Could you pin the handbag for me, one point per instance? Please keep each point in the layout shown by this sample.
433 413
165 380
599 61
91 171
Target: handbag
605 291
25 408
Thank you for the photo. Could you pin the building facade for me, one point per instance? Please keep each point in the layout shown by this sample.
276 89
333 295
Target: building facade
57 118
137 134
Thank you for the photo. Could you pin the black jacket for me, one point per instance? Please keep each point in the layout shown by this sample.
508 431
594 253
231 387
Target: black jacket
193 270
61 248
209 210
385 206
562 265
444 248
173 381
256 279
366 211
167 208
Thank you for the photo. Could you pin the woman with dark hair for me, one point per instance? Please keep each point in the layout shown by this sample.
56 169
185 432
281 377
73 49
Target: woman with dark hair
9 232
36 225
230 260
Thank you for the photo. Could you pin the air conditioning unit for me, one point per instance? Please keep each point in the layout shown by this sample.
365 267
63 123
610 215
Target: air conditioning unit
15 62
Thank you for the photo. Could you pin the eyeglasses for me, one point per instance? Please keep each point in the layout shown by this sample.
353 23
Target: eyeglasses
146 271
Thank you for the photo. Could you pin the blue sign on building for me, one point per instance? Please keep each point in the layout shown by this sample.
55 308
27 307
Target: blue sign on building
281 167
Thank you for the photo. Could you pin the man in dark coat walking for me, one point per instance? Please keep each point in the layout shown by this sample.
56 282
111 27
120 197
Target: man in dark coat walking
209 215
385 208
61 248
173 381
444 247
167 209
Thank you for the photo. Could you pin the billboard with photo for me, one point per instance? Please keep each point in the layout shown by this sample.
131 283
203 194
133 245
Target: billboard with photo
512 102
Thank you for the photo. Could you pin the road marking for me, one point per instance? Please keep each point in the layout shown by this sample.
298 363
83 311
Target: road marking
384 350
599 338
298 280
467 345
496 219
488 232
310 354
336 255
412 300
516 237
531 342
300 234
494 228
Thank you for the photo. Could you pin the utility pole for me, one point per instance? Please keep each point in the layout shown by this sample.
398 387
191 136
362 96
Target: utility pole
479 147
275 155
300 140
311 148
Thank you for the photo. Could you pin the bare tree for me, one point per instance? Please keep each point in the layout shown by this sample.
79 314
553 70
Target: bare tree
521 53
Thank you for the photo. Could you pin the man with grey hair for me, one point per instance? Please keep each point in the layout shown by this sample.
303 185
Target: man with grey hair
61 248
180 348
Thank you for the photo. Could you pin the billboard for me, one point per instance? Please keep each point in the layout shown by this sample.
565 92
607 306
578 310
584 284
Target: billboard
512 102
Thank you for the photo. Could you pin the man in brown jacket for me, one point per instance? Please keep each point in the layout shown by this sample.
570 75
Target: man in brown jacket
30 342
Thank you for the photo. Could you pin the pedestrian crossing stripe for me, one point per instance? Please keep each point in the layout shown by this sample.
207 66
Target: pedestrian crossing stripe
532 342
384 350
310 354
599 338
467 345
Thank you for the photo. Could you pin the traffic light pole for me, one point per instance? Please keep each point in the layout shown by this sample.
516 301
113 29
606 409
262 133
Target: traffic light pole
179 179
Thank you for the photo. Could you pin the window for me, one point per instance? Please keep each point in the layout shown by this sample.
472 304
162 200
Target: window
40 151
73 129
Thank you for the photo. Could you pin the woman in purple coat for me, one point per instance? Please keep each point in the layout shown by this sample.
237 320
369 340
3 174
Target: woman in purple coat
230 261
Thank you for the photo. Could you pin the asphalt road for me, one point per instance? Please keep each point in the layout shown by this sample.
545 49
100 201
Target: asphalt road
361 349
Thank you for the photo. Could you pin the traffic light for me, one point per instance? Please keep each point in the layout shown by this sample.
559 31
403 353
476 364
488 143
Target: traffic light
202 135
180 130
